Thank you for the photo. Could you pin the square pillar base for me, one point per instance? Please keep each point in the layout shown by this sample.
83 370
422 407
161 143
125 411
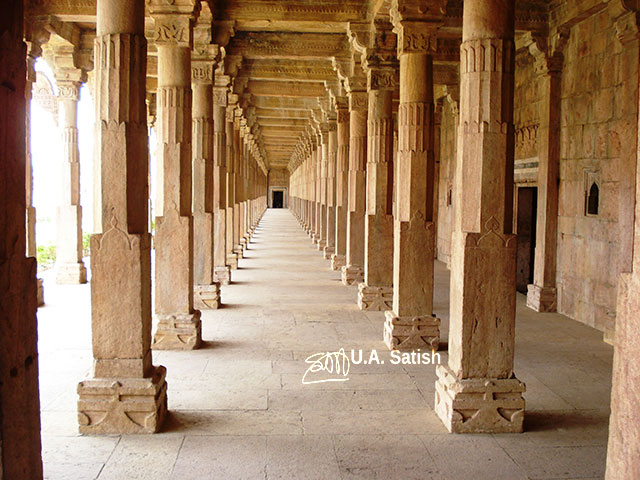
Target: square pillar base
206 297
232 261
238 250
71 274
328 252
411 333
337 262
222 275
321 245
375 298
180 331
352 275
542 299
479 405
122 405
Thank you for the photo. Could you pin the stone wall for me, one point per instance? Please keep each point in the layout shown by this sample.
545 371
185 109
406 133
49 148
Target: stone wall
598 144
448 152
278 177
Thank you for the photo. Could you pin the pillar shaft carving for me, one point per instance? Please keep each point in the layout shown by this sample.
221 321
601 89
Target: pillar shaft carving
232 260
332 151
542 294
125 393
221 269
338 260
179 323
206 289
69 265
410 323
353 272
378 234
477 391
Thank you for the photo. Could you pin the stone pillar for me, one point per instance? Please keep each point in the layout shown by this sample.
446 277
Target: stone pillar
19 400
411 324
339 258
353 271
315 186
477 391
323 166
70 268
221 270
232 258
376 292
33 51
206 294
179 325
332 149
542 294
238 150
623 452
125 392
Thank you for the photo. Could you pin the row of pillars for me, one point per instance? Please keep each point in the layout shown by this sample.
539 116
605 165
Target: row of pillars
212 195
386 245
476 391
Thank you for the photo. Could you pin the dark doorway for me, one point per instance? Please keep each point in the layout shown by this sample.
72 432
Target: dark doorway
526 230
278 199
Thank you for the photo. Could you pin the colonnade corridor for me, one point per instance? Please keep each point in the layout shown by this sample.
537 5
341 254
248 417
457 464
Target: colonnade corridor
238 407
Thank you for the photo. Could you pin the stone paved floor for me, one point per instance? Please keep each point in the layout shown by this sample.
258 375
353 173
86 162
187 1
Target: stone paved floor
239 408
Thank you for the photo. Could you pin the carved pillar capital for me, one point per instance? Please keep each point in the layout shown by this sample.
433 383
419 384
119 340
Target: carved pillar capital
382 78
69 90
548 52
173 22
415 22
358 101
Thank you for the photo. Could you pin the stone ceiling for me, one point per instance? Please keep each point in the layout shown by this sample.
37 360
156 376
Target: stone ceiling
283 56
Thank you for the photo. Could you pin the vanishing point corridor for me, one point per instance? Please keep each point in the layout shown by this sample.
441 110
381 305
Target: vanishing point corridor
238 408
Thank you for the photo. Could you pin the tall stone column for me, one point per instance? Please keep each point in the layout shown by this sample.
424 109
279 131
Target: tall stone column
206 293
353 271
376 292
221 270
623 451
332 148
125 393
339 258
411 324
542 294
19 400
179 325
238 150
323 166
33 51
70 268
232 258
477 391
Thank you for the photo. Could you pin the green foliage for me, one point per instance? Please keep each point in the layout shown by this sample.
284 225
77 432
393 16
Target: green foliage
46 256
85 244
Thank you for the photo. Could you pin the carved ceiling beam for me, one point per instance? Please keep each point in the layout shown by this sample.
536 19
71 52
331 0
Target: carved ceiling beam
287 45
268 88
298 114
284 103
275 69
